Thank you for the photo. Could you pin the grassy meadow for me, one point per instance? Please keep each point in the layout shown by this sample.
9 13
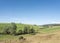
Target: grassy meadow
40 29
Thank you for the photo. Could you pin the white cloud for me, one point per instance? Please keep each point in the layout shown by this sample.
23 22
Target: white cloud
56 22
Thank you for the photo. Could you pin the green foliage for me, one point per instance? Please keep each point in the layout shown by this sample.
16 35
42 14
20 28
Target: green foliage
26 30
13 25
13 28
32 30
21 37
6 30
19 32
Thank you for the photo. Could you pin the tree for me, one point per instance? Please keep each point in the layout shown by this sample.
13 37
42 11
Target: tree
13 28
25 30
6 30
32 30
20 32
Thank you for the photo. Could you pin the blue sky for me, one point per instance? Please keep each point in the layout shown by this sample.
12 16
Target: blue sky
30 11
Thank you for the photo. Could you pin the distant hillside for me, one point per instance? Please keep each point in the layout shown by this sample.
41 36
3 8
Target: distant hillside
51 25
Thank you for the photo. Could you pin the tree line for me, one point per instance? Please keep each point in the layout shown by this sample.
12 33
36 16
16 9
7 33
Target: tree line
12 28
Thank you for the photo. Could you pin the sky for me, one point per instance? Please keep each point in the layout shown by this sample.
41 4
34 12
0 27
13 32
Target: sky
30 11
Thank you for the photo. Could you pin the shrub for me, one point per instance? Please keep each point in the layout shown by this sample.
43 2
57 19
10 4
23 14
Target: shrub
26 30
6 30
21 37
20 32
32 31
13 28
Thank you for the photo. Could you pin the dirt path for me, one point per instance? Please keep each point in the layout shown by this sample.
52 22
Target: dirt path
45 38
39 38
